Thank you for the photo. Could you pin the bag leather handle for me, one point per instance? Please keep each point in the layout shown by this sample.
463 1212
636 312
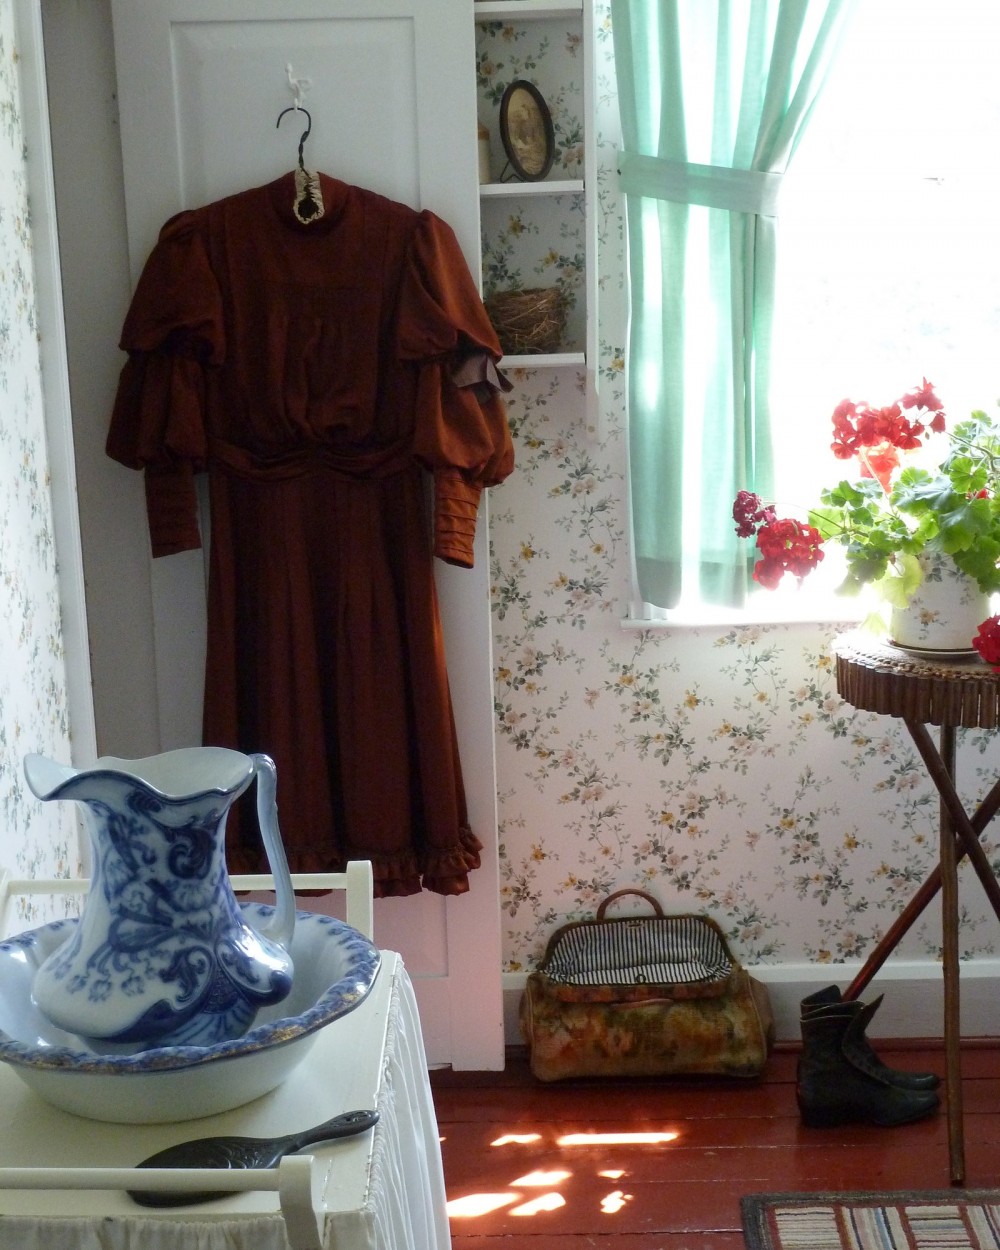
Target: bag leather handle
621 894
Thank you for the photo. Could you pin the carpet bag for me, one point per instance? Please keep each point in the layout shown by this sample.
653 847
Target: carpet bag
644 996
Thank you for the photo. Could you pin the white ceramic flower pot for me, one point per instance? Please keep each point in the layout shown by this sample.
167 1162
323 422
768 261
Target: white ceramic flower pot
945 611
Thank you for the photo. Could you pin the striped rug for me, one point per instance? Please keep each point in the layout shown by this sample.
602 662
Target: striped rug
951 1219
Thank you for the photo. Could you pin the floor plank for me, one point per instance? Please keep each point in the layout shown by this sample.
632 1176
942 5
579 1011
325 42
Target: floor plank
515 1181
603 1241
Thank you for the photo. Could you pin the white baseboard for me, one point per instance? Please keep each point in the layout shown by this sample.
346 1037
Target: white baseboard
913 1005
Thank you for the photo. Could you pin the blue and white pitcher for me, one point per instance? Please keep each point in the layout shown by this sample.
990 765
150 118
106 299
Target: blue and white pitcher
162 955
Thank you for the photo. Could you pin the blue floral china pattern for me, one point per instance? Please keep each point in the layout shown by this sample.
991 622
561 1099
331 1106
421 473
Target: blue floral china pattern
335 969
163 955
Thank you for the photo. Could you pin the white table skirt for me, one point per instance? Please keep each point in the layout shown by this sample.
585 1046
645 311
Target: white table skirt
379 1191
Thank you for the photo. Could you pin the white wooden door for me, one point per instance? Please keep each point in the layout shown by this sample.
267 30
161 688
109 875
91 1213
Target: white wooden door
392 98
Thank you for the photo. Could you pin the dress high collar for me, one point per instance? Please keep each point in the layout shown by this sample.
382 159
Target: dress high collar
281 194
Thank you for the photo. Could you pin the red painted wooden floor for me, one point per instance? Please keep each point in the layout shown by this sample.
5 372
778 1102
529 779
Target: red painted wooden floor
517 1180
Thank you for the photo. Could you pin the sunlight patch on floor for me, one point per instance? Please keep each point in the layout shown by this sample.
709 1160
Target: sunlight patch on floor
535 1180
544 1202
516 1202
615 1139
471 1205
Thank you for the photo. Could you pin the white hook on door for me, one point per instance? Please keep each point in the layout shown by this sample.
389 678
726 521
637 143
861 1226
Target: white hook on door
299 86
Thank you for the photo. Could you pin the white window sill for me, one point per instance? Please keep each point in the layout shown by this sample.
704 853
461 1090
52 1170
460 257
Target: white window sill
778 609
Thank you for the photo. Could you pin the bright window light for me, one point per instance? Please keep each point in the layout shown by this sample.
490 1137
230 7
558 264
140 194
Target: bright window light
888 263
888 269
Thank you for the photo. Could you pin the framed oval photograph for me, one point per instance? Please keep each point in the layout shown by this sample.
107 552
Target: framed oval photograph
526 131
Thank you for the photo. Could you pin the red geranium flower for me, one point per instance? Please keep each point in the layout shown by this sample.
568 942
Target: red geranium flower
857 426
885 520
787 546
768 573
987 641
923 397
749 514
881 462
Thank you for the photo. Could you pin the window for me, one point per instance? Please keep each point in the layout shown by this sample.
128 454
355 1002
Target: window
889 233
888 256
714 99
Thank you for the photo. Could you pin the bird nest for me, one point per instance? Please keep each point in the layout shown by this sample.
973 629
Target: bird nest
528 322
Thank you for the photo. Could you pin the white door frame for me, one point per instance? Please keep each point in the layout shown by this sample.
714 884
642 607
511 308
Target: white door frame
459 990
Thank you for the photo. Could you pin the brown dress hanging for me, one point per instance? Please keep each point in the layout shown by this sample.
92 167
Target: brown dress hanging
319 372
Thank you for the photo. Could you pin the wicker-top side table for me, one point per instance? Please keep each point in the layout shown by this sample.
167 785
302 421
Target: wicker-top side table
951 692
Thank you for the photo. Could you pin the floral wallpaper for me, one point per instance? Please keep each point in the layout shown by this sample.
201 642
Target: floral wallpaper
715 768
36 839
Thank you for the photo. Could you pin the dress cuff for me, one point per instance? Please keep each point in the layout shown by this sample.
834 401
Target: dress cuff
172 509
456 505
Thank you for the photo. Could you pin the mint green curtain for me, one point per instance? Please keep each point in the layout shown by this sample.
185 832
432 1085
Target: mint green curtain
714 97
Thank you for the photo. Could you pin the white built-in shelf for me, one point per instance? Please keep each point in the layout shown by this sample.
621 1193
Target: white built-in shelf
526 9
545 360
554 186
530 197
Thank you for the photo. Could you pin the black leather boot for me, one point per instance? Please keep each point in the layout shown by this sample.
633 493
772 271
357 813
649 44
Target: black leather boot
829 1000
840 1081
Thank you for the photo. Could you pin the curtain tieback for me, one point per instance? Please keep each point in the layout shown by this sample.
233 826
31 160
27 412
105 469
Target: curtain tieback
715 186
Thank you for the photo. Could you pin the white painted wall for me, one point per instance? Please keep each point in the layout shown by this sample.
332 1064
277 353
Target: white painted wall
96 289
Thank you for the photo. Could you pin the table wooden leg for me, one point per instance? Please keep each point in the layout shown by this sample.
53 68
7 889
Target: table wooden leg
943 778
952 1004
918 904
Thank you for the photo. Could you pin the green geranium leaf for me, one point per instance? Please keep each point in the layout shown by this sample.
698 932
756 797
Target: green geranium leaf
966 525
961 474
898 585
980 561
830 522
850 587
851 495
876 623
917 492
866 566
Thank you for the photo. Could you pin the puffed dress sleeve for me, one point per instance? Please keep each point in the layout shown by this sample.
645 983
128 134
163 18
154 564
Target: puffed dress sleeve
173 333
461 435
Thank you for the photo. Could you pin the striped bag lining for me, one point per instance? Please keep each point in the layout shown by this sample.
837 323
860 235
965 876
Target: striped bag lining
661 950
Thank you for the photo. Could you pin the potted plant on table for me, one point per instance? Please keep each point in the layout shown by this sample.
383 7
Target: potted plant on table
907 530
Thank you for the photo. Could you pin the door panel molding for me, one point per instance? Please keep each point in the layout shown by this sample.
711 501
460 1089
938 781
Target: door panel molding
393 108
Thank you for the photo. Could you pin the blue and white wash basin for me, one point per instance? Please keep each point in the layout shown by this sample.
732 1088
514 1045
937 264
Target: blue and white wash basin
335 969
